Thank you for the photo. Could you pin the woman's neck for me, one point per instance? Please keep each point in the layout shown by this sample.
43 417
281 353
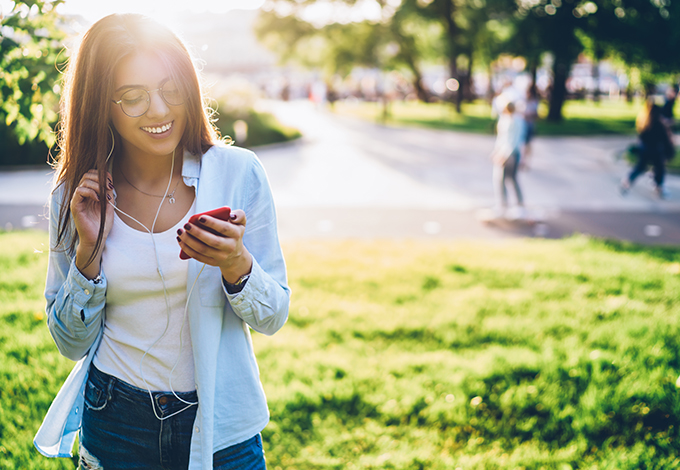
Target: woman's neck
152 171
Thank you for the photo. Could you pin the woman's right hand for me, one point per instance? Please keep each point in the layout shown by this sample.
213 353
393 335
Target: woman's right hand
85 210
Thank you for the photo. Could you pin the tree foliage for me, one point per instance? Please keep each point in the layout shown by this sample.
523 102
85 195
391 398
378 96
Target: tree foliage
30 42
639 33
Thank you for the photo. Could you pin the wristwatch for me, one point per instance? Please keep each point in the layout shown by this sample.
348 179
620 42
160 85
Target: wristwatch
238 286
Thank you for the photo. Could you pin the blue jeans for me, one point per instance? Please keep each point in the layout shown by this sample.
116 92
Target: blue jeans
120 431
646 158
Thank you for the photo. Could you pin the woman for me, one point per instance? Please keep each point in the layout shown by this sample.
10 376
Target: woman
506 154
655 147
166 376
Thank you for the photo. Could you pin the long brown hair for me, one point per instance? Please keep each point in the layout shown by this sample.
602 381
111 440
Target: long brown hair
84 135
649 113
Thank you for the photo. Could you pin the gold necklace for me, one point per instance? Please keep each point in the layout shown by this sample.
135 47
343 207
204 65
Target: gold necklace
171 196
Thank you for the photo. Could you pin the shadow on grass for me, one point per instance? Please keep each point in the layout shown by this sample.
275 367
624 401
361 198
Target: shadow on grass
660 253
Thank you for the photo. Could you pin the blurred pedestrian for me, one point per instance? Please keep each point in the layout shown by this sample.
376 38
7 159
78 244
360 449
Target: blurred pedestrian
530 118
669 104
506 154
655 147
508 94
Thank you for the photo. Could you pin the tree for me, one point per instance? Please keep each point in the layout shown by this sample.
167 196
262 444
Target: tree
30 41
397 40
470 32
641 33
552 27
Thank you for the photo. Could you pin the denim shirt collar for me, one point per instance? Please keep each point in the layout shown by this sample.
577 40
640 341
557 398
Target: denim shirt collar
191 168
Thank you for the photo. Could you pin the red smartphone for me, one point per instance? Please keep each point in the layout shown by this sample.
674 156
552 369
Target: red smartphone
221 213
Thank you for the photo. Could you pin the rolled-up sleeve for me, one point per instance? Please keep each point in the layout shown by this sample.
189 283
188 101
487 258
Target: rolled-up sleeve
75 304
263 302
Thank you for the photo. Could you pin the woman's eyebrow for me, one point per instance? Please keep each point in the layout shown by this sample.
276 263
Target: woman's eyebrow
162 82
128 86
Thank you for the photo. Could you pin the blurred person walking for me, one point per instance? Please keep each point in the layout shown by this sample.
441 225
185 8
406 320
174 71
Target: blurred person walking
669 104
530 118
656 146
506 154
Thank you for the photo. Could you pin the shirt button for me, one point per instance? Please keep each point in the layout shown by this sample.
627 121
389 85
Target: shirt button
196 429
87 291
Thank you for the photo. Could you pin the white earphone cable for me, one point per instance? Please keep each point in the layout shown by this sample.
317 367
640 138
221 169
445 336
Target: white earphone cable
165 294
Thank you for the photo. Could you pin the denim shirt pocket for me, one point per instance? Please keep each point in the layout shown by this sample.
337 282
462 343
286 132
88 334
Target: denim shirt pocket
210 287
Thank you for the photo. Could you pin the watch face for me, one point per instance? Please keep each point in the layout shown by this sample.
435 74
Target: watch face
242 279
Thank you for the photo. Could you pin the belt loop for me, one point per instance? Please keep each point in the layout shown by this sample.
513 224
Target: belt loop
109 388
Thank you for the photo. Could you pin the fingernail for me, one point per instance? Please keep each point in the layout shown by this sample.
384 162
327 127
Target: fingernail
110 185
201 219
232 216
179 240
187 227
108 196
179 232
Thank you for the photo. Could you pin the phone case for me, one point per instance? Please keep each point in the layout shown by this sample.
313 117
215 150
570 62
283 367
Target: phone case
221 213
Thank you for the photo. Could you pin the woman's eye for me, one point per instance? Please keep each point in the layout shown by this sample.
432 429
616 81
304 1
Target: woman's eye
133 97
172 96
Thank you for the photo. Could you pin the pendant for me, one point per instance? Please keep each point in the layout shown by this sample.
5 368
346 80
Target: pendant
171 200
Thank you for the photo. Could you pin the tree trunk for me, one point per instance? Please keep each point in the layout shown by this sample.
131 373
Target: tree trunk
421 92
596 80
458 95
468 93
533 70
451 35
558 93
490 92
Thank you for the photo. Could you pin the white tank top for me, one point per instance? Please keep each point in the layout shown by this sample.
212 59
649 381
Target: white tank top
136 311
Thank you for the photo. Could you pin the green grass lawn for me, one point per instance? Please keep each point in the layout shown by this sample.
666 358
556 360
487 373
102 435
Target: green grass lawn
534 354
581 118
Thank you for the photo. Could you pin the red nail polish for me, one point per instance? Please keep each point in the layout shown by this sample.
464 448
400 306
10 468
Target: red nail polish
201 220
232 216
187 227
179 240
179 232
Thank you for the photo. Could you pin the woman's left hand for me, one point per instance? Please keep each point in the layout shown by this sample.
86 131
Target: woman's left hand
224 248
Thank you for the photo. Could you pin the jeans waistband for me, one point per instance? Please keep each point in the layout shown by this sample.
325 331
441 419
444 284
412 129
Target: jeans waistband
165 402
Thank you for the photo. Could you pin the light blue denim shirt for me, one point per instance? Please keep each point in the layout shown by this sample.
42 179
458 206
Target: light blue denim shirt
232 406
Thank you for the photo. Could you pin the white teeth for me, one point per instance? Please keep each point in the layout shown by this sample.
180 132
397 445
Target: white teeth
157 130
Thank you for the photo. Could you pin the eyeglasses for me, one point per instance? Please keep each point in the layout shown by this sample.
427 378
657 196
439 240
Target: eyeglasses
136 102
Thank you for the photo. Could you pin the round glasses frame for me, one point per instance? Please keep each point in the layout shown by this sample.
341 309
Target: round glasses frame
170 102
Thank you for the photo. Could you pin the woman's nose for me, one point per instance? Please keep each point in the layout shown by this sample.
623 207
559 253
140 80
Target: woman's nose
157 105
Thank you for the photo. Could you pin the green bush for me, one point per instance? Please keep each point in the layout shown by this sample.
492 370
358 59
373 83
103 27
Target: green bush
263 128
31 152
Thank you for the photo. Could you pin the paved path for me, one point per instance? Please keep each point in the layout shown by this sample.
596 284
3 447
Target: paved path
348 178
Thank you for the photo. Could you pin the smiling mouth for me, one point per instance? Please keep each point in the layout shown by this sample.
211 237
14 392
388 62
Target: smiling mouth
158 130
